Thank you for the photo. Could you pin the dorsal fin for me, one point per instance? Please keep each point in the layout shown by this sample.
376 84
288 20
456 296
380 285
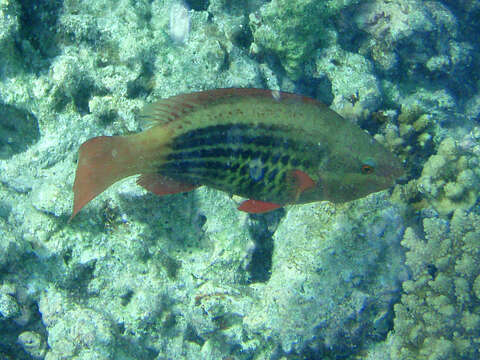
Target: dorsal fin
170 109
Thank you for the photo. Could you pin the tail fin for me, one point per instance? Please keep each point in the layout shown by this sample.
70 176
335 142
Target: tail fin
104 160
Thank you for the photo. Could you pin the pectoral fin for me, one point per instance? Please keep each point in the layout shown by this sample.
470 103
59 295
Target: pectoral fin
300 181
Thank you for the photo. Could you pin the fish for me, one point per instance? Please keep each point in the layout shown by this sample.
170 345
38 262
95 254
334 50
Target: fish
273 148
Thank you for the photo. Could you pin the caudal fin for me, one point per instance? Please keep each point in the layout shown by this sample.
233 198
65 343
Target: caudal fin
101 162
104 160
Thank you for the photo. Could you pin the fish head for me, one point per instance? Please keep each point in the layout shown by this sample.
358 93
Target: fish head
355 167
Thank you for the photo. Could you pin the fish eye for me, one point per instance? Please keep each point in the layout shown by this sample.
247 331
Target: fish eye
368 167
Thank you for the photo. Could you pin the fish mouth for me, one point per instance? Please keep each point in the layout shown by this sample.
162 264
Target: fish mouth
392 175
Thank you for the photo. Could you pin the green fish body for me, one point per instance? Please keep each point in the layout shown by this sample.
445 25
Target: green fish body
271 147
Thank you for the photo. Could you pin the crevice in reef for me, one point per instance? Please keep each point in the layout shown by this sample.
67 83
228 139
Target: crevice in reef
262 228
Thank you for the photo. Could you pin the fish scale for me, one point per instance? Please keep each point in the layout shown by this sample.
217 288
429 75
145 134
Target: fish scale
222 157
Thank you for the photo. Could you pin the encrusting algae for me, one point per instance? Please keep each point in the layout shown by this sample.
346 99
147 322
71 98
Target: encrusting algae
272 147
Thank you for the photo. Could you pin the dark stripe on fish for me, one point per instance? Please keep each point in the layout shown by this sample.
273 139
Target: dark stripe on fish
244 159
258 135
226 152
254 163
196 166
215 178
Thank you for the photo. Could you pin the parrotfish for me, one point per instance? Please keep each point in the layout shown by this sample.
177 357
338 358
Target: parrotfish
273 148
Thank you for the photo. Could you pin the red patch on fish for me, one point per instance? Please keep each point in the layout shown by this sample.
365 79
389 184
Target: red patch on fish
162 185
257 206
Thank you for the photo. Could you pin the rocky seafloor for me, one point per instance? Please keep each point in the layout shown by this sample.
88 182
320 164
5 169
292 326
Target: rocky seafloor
395 275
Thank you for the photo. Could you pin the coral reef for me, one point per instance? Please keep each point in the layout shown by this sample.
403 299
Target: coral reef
74 331
188 276
355 89
292 29
450 179
437 317
327 289
399 31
